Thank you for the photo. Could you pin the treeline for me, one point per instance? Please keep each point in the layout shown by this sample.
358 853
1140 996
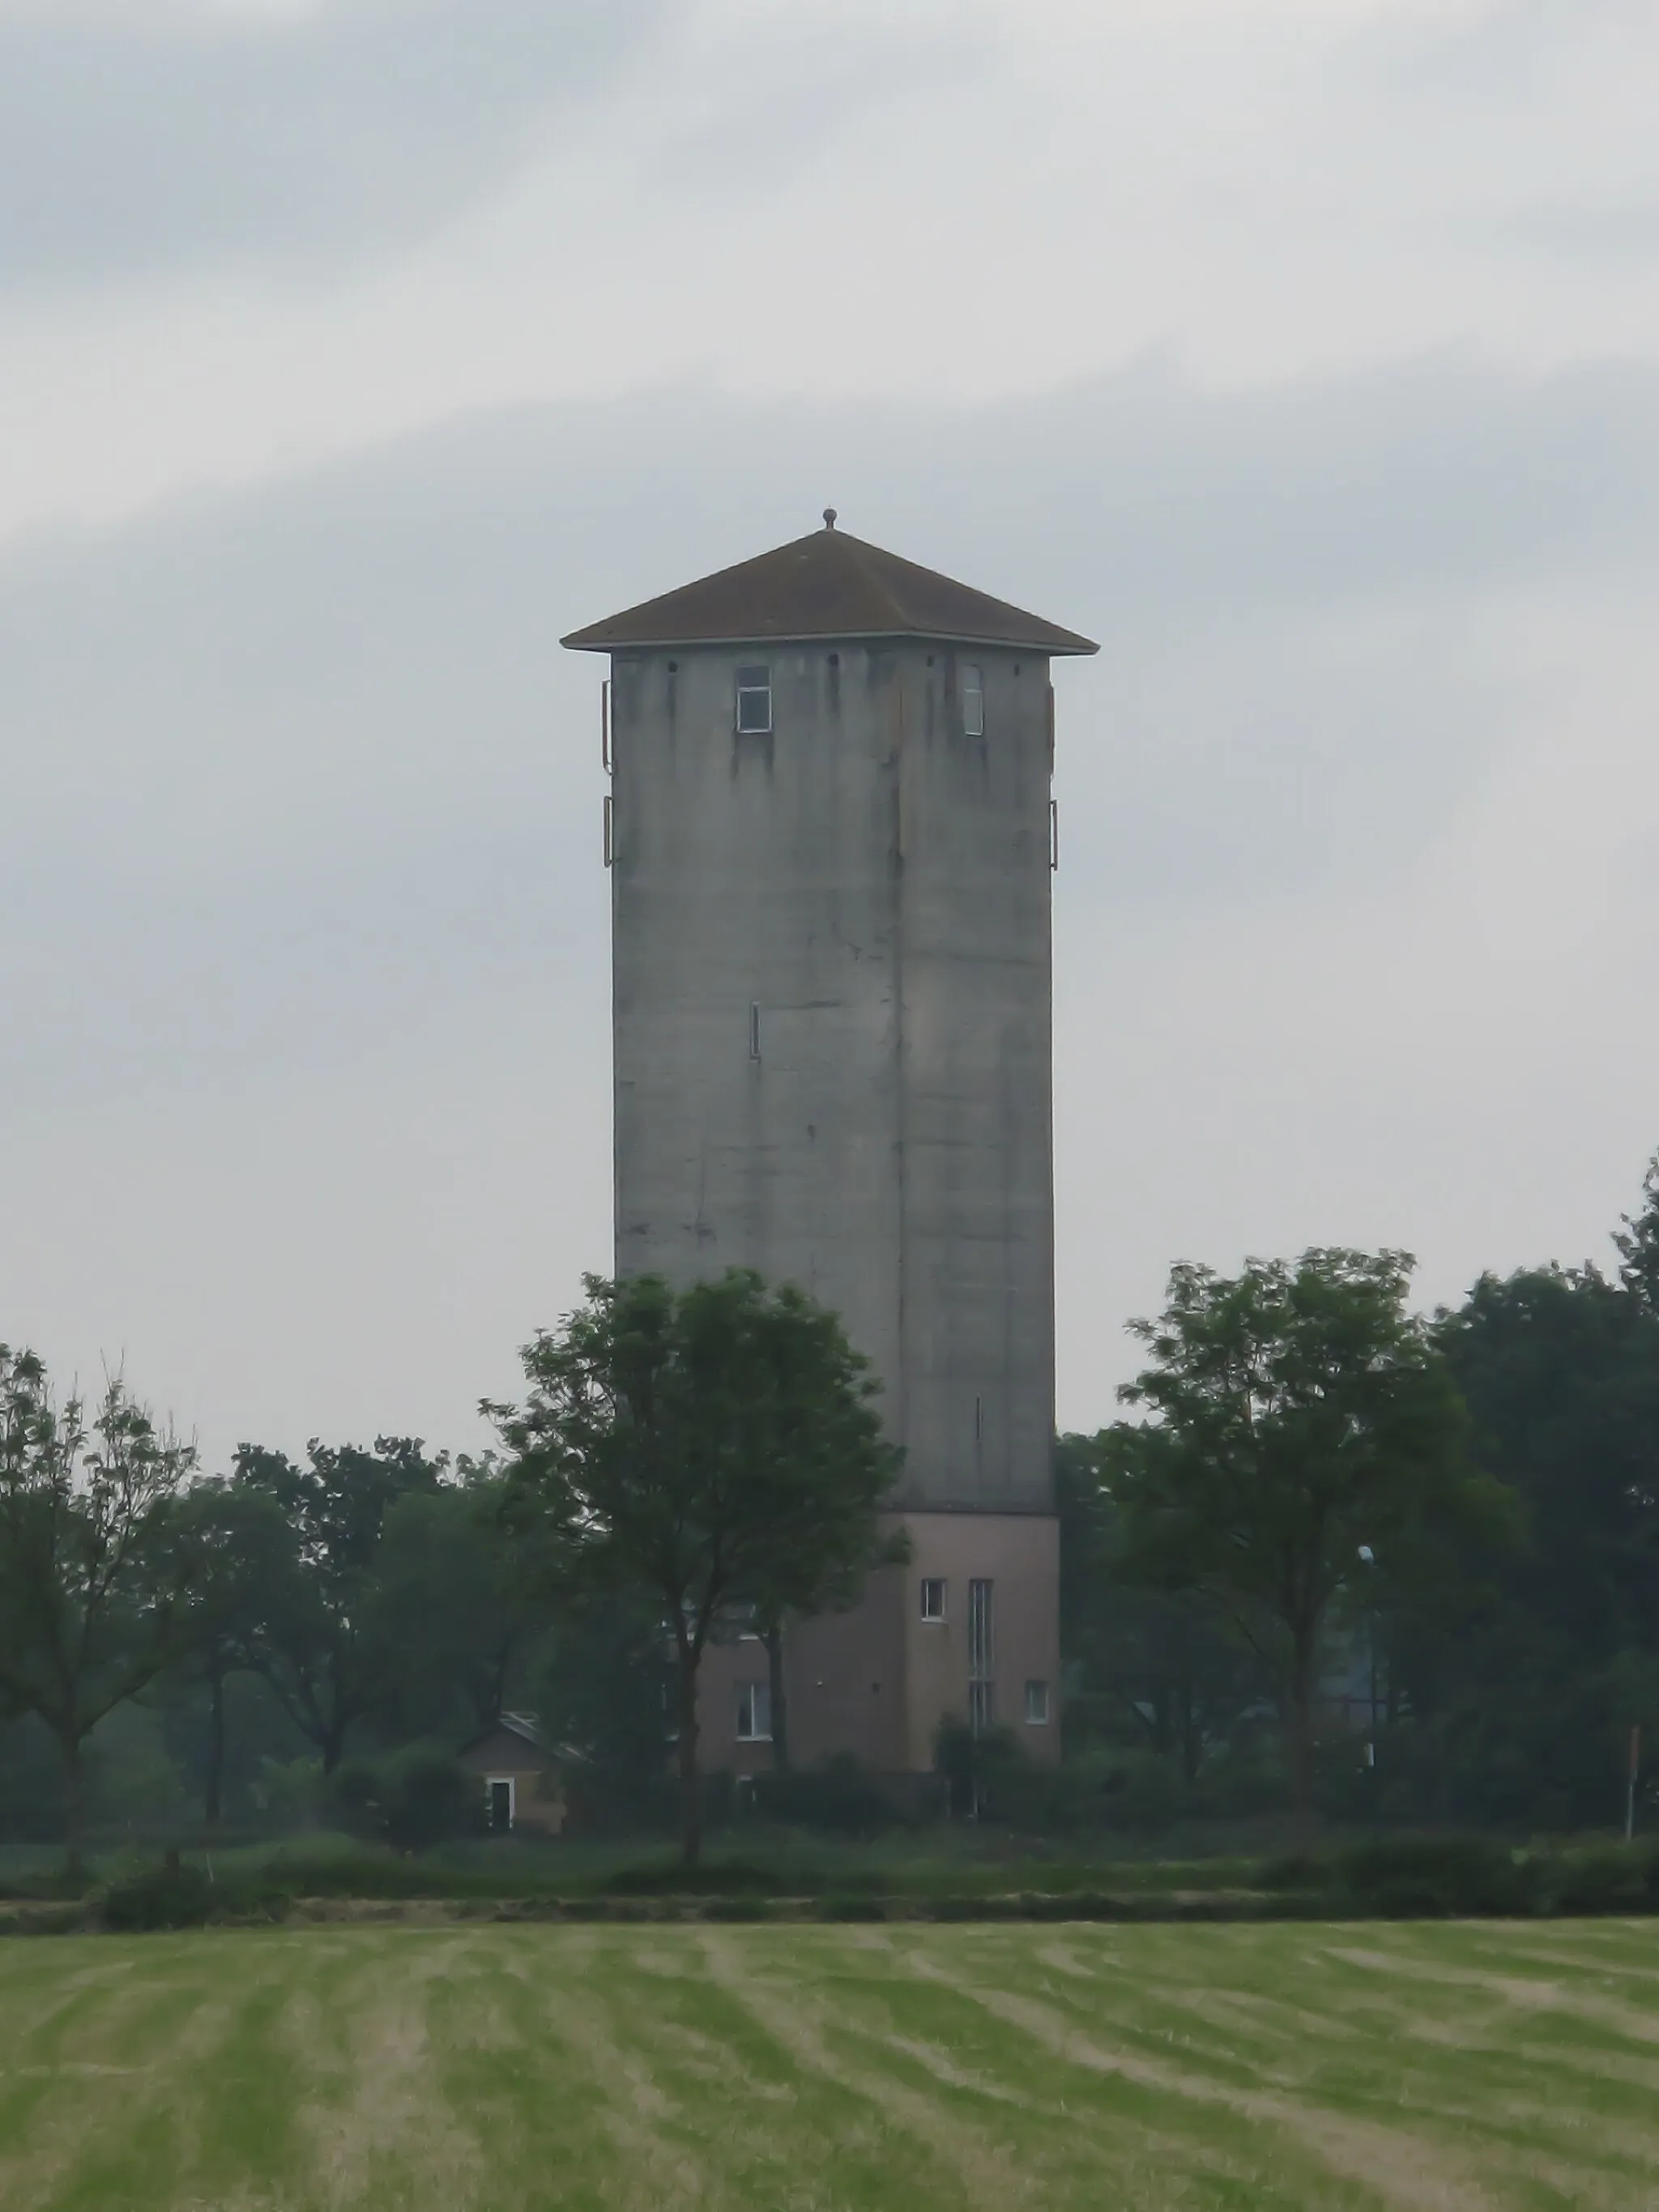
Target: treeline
1478 1594
179 1647
1387 1567
681 1463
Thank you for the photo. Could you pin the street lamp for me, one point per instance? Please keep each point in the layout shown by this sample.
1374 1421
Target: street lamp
1367 1558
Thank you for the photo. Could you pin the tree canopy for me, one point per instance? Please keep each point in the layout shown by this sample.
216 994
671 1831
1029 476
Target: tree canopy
717 1446
1295 1412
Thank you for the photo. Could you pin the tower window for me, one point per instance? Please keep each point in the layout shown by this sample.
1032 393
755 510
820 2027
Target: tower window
932 1597
982 1631
754 1712
1037 1704
981 1707
972 703
754 701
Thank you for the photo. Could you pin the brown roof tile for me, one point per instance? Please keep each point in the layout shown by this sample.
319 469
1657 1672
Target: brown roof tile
827 584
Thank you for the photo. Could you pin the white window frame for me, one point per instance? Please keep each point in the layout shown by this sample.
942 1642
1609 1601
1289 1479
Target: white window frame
754 1704
752 689
1039 1707
492 1783
981 1706
930 1584
973 700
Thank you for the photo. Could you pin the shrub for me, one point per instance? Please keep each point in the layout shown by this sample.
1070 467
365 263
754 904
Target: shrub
713 1878
839 1795
1428 1877
170 1896
1606 1878
410 1799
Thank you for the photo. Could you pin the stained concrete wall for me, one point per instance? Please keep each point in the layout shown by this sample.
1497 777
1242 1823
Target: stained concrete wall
876 883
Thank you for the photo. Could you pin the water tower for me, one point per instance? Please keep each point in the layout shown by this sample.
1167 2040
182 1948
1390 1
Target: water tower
831 834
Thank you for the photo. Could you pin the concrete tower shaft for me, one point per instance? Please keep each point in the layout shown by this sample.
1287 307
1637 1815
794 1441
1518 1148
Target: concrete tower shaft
829 833
832 1017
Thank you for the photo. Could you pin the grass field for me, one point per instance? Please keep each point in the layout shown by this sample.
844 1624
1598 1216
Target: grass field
1451 2068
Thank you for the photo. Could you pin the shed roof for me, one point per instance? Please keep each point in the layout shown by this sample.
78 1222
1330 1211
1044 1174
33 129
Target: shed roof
829 584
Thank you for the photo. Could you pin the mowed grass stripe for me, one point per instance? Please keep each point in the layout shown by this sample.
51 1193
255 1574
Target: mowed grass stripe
820 2069
1070 2133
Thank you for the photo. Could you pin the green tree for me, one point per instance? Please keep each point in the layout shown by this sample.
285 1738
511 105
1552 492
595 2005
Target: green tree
236 1556
317 1641
1295 1412
1637 1242
1525 1695
717 1447
1159 1665
446 1597
91 1581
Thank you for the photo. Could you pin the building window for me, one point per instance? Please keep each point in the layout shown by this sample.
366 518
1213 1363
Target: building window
754 1712
973 704
1037 1704
754 701
932 1597
981 1707
982 1631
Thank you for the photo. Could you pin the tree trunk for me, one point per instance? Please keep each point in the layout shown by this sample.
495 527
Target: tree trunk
691 1780
1300 1733
213 1807
773 1639
1192 1748
74 1865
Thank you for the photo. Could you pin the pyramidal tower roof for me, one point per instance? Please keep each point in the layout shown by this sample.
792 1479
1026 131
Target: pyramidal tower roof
827 584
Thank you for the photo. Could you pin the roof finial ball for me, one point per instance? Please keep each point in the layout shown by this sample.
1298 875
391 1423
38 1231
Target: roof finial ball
828 518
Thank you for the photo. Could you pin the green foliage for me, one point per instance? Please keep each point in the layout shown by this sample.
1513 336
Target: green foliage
91 1583
1157 1668
1297 1412
411 1798
718 1876
716 1447
171 1896
445 1595
1523 1697
315 1636
179 1894
839 1796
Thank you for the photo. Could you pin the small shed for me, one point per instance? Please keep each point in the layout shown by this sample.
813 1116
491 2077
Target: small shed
521 1776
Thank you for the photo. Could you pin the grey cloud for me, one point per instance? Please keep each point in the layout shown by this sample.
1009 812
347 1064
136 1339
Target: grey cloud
1590 234
138 144
290 769
1507 54
303 923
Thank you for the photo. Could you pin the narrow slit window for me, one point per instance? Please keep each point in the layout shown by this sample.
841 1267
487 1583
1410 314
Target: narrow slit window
754 1712
1037 1704
932 1597
981 1707
972 703
754 701
754 1029
982 1631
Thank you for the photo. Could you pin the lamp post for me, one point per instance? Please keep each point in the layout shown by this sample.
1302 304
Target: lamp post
1367 1558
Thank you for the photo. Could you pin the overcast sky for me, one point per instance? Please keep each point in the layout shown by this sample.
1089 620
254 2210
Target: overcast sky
1305 354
